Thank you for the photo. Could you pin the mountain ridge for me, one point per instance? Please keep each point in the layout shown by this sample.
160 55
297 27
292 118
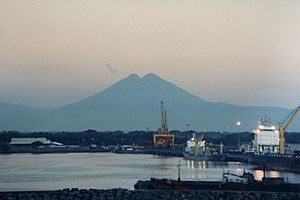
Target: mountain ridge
133 103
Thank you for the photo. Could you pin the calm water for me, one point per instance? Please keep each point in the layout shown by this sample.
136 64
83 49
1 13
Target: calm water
106 170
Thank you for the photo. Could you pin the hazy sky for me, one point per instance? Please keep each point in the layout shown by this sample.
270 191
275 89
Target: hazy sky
244 52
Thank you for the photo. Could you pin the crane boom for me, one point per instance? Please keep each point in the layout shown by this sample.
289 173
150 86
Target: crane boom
201 137
283 128
292 118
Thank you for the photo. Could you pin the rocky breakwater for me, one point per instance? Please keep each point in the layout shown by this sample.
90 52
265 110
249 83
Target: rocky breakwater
123 194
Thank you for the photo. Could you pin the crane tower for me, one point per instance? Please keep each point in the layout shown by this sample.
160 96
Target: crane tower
163 139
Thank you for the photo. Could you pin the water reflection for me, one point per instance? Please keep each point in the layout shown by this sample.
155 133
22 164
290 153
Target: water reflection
274 174
258 174
204 164
107 170
196 170
163 163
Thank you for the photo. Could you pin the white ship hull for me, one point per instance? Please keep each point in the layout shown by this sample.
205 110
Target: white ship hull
204 157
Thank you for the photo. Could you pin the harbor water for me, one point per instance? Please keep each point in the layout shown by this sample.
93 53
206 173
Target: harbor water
108 170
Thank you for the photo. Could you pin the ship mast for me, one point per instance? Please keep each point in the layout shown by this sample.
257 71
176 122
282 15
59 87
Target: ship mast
179 169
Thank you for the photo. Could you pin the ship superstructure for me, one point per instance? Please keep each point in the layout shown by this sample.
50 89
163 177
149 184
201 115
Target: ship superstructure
195 146
197 149
266 137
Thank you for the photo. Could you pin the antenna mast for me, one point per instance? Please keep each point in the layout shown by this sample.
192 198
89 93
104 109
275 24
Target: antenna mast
162 116
166 122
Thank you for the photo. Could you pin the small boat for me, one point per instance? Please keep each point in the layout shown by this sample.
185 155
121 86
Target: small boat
244 182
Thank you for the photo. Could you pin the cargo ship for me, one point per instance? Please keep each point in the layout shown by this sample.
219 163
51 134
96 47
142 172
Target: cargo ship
198 150
278 162
266 148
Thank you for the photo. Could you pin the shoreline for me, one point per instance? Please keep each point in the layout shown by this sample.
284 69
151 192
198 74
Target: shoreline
92 150
55 150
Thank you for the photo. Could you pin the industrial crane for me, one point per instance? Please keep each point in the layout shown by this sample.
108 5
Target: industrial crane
163 138
283 127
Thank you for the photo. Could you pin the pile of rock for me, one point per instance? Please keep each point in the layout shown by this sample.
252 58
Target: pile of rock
123 194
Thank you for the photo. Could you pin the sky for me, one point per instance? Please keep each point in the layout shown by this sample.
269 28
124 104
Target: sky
243 52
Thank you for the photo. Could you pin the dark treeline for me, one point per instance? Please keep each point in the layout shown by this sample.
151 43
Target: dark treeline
144 138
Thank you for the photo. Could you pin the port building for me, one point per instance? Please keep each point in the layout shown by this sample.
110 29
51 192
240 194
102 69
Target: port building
31 140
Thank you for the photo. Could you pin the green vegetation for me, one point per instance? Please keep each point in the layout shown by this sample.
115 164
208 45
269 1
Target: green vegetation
89 137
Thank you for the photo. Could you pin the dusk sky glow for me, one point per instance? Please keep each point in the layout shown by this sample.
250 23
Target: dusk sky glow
60 51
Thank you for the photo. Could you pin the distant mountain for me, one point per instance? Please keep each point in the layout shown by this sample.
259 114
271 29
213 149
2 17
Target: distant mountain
133 103
17 117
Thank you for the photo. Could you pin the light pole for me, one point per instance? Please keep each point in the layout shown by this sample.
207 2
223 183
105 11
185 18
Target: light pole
221 137
188 130
238 123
